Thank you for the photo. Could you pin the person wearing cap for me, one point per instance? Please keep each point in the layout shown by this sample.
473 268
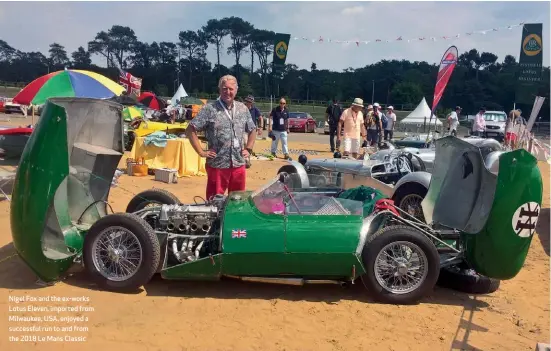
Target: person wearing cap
255 113
374 125
390 123
352 120
479 123
453 121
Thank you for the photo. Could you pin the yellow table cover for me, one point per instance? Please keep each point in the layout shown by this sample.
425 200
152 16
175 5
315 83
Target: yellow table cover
177 154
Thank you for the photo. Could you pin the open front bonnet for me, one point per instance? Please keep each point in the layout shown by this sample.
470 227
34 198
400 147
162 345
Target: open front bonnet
63 181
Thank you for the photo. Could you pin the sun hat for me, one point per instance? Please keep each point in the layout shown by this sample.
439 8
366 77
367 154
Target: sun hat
391 107
358 102
249 98
370 107
376 105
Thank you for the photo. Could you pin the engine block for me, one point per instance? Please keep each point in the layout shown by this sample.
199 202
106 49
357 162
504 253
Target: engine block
188 219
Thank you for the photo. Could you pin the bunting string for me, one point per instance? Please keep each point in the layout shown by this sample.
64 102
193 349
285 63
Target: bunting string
322 40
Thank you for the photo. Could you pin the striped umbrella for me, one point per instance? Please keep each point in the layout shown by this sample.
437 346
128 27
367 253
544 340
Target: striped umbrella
68 83
151 100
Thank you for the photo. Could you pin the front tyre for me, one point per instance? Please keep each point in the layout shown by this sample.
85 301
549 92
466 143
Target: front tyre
402 265
467 281
121 252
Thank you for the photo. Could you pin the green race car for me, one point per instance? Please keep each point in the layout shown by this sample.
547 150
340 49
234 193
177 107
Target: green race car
280 233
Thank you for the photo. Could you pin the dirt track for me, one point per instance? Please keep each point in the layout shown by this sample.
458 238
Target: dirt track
231 315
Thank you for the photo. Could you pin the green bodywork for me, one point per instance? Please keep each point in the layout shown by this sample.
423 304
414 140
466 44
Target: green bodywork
279 245
497 251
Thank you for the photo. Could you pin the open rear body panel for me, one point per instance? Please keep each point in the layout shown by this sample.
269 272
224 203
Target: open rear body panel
66 168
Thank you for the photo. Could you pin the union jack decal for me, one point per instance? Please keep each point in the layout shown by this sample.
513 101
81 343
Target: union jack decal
238 233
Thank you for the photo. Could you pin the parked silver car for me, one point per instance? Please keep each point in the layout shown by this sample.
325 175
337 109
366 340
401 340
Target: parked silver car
495 124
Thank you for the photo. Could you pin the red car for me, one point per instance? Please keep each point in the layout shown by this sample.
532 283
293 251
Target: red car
301 122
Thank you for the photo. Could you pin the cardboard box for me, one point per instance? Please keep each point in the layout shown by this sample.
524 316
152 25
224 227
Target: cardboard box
166 175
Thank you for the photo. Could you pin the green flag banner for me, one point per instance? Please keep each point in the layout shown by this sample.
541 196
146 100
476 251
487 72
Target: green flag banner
281 46
530 63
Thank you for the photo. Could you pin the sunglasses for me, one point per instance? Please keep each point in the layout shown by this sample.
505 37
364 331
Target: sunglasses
282 103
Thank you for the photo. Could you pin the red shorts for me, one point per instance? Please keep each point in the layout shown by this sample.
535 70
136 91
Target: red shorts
222 179
510 137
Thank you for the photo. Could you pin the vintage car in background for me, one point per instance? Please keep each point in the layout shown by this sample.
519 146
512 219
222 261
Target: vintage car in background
285 232
301 122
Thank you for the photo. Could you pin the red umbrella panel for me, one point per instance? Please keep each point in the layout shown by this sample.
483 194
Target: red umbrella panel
152 101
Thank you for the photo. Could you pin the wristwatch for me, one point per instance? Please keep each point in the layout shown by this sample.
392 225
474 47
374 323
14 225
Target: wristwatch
249 150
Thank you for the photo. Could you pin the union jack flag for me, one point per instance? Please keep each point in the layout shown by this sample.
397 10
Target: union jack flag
239 233
132 84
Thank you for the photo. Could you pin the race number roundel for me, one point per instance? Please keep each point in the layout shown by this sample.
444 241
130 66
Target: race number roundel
525 219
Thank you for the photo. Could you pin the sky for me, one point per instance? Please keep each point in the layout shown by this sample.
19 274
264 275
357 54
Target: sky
73 24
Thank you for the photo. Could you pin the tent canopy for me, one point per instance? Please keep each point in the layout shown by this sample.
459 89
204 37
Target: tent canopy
180 93
418 115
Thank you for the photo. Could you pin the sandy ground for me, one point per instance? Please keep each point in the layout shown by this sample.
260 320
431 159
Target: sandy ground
169 315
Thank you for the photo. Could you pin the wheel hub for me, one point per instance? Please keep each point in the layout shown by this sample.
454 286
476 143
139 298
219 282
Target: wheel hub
401 270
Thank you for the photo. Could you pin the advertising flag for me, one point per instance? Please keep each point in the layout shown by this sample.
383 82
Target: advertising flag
530 63
281 46
447 64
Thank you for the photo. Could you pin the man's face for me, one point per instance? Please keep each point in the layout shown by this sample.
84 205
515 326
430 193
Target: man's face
356 108
248 104
228 90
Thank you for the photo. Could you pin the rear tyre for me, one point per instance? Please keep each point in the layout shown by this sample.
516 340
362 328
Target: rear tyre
402 265
467 281
151 197
121 252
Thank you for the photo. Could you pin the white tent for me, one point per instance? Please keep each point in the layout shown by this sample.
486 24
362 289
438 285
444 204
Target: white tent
418 115
180 93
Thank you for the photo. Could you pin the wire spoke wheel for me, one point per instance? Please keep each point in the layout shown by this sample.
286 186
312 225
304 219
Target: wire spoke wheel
411 204
401 267
117 253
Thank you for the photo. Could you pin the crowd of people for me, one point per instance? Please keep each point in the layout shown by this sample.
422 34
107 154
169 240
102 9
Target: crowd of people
359 125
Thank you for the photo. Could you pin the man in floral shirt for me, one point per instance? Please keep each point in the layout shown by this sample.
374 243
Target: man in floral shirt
224 122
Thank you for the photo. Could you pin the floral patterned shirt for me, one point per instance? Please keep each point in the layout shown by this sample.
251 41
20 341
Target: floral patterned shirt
224 129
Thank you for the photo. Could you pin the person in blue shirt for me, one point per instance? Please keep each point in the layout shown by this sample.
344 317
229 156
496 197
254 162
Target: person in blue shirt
255 114
279 128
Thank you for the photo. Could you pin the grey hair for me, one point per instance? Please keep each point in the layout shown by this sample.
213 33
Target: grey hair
227 78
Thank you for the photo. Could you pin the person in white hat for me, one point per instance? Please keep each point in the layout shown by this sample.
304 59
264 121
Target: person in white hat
374 125
389 121
352 120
